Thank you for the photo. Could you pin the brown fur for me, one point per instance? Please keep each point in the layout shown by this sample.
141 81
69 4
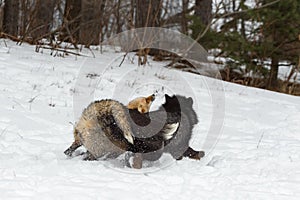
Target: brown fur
142 104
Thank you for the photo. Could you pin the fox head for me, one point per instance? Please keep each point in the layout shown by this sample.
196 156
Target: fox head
142 104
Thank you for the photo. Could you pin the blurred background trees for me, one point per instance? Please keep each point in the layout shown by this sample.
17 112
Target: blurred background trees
250 40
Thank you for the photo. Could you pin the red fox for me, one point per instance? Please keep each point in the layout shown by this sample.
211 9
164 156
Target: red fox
142 104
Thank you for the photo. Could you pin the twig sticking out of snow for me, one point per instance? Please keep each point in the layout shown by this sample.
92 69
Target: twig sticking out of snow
124 56
31 100
260 139
3 131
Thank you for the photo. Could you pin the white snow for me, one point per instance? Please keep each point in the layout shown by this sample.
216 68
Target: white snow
257 156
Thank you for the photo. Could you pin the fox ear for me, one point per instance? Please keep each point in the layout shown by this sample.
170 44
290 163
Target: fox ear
167 96
153 97
190 100
150 99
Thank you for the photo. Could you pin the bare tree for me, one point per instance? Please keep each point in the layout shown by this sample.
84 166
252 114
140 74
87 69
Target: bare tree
1 15
42 20
203 9
11 15
25 14
184 20
71 21
148 13
91 21
118 17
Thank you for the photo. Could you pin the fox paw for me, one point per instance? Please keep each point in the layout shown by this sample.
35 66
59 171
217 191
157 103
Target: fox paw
68 152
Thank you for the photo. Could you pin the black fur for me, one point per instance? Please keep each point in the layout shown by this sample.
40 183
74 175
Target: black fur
180 106
149 140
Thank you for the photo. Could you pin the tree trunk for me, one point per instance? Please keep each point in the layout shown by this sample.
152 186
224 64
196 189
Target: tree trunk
272 82
119 24
24 17
71 21
11 15
148 13
203 9
131 15
184 21
1 16
91 21
43 19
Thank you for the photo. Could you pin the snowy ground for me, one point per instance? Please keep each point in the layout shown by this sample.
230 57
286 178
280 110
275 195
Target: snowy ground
256 157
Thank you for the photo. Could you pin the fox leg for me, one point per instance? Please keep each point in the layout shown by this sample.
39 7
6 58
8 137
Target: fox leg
77 143
137 160
191 153
128 155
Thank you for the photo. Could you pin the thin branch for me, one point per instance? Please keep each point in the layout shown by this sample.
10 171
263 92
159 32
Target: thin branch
247 10
123 59
63 50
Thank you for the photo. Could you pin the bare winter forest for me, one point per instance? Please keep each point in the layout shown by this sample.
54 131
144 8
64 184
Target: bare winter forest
251 40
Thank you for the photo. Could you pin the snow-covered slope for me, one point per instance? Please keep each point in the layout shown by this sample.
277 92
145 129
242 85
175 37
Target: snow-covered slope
257 156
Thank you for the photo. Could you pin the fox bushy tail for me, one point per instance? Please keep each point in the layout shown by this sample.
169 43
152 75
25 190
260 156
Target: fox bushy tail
117 111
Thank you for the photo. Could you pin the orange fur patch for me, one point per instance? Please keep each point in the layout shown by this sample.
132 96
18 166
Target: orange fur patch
142 104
